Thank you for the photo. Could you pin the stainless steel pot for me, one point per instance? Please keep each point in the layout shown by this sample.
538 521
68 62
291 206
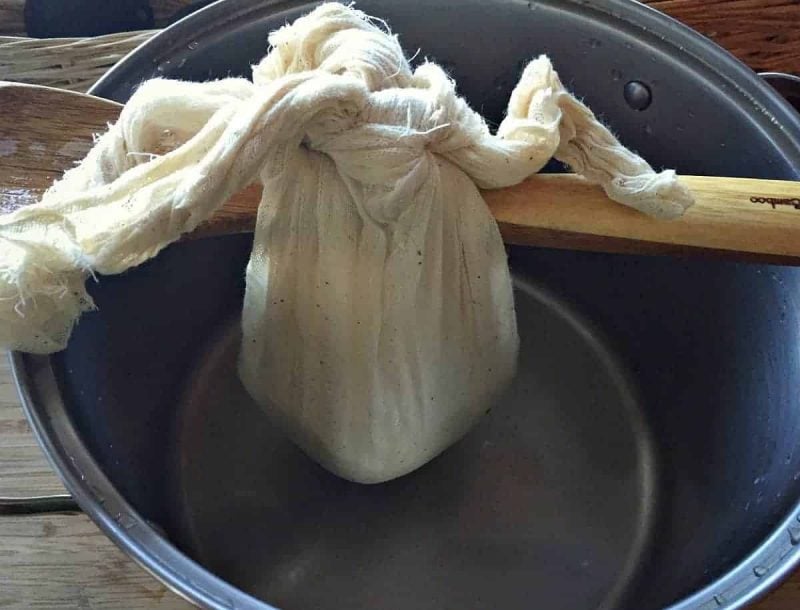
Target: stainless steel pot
646 457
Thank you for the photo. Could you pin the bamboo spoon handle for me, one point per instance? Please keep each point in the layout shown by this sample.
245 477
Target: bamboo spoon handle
737 218
44 131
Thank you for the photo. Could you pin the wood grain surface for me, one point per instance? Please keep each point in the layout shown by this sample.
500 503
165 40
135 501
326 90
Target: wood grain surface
731 218
63 561
36 147
764 34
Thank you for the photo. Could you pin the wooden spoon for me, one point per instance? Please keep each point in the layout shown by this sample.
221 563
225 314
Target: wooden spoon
44 131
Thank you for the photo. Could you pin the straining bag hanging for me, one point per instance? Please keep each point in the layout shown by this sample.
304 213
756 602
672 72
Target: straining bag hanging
378 322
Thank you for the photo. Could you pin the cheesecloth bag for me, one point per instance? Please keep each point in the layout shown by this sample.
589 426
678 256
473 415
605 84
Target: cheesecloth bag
378 320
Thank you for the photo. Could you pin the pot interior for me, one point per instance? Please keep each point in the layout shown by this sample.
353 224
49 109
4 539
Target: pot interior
647 447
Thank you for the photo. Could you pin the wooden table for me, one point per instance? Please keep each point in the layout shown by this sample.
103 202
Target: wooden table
63 561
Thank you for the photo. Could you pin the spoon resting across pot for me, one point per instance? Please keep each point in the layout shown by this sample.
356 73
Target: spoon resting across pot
45 131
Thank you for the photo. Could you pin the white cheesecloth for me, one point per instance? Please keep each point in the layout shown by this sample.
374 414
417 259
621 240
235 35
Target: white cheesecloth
378 321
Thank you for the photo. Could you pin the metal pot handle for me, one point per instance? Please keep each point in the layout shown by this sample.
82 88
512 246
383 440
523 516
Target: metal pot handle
788 85
34 505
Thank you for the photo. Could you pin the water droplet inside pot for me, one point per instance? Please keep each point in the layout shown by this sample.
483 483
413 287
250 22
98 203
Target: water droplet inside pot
760 571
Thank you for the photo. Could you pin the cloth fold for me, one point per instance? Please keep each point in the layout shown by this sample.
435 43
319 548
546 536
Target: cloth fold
378 319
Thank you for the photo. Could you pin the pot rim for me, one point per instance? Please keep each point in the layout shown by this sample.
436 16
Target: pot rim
82 476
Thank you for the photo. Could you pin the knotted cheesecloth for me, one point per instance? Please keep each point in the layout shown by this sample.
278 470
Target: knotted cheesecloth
378 321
